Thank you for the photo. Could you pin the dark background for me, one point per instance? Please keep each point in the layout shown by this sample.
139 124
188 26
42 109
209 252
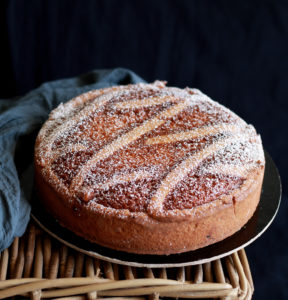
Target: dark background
234 51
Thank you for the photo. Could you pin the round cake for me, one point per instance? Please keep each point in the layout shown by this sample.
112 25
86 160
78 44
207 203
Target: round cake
148 169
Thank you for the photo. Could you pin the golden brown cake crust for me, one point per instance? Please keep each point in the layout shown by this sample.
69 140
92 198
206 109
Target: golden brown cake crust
148 169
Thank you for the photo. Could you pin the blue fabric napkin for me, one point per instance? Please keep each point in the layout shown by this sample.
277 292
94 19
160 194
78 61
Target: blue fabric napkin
20 120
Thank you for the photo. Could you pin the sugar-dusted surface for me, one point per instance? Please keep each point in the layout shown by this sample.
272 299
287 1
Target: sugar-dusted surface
147 148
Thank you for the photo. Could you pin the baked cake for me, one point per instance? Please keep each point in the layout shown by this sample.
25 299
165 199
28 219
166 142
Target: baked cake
148 169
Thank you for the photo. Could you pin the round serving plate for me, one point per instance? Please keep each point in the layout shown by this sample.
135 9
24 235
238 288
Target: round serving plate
261 220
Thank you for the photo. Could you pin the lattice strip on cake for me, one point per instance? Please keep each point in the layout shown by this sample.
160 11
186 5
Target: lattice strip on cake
193 134
146 102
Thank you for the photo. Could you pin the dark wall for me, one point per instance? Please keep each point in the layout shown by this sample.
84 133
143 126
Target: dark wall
235 51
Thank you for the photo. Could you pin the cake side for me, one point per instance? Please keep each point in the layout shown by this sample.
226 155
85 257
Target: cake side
143 235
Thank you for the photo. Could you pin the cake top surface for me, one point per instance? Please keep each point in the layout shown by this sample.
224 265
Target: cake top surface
146 148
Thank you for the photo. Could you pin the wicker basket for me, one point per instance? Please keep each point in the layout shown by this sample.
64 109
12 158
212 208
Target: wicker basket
37 267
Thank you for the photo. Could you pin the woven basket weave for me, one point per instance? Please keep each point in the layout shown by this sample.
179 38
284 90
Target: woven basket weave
37 266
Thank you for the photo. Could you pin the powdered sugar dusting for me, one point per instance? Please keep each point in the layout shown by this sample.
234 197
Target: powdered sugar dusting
143 148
